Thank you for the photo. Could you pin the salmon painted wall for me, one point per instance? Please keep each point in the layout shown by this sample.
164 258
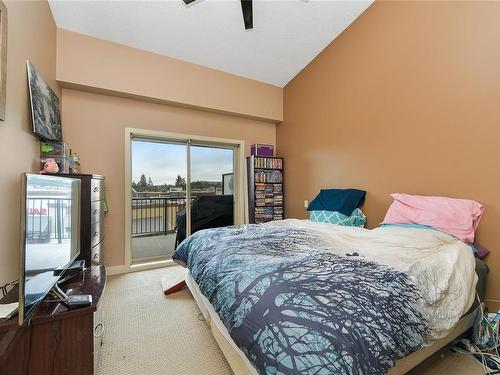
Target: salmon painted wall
93 64
406 99
94 126
31 36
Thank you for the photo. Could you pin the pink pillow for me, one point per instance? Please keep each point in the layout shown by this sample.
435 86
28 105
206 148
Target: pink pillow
458 217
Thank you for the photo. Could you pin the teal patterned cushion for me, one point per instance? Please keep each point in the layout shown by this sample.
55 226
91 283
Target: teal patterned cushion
357 218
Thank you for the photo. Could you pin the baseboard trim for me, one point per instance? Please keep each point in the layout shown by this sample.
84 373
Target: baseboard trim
120 269
116 270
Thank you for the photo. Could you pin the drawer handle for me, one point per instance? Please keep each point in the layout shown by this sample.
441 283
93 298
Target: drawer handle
96 234
96 189
96 212
96 256
101 326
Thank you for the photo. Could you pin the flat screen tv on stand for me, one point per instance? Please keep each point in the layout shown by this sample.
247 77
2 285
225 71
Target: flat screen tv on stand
50 230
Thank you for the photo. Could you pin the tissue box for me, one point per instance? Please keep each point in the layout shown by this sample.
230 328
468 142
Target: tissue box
262 150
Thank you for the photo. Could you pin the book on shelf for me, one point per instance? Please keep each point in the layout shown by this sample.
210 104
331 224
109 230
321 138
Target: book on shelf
266 193
278 213
269 176
268 163
263 214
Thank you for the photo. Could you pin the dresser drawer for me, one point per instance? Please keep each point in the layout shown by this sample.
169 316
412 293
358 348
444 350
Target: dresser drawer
96 190
96 233
96 211
96 253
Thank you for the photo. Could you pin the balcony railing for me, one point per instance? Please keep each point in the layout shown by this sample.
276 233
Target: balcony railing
155 216
48 219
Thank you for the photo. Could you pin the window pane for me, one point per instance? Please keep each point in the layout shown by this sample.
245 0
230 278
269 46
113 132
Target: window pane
158 198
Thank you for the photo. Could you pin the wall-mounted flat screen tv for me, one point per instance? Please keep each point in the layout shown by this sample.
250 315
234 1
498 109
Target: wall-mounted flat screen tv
50 229
45 113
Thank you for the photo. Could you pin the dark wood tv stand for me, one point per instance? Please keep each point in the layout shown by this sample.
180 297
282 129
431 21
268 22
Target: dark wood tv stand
56 340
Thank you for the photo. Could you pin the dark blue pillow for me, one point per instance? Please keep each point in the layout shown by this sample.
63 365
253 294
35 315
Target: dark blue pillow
342 200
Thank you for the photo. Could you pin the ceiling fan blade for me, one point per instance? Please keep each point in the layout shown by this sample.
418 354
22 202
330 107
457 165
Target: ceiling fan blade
187 2
247 9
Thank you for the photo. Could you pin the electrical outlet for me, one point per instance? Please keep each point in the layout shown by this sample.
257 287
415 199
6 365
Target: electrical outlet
306 204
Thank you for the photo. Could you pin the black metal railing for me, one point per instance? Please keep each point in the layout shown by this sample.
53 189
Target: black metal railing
155 216
48 219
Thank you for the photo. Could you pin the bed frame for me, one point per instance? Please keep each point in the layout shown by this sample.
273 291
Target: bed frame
241 365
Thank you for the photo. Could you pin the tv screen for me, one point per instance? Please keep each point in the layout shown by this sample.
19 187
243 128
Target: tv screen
50 235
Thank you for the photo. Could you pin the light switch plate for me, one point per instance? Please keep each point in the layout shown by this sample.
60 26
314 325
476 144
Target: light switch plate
306 204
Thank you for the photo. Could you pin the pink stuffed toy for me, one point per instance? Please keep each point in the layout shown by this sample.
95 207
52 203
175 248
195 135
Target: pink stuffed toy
50 167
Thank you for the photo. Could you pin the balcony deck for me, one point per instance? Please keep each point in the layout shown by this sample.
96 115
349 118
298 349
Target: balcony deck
153 247
153 227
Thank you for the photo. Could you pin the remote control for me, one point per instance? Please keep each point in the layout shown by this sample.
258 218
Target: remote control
79 300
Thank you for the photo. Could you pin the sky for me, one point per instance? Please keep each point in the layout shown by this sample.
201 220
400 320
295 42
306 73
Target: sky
164 161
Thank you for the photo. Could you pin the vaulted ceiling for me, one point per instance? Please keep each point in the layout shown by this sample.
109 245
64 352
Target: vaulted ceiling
286 35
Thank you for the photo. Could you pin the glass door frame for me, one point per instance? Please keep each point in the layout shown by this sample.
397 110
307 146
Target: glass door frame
239 170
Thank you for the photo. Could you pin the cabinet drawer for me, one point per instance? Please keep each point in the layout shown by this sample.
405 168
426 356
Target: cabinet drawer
96 190
96 253
96 211
96 233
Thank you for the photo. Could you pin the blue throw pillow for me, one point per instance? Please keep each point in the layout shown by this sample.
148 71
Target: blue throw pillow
356 219
341 200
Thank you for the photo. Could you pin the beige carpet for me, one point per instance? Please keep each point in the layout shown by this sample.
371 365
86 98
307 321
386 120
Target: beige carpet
451 364
150 333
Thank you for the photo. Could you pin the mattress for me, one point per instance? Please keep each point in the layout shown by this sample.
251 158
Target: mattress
242 366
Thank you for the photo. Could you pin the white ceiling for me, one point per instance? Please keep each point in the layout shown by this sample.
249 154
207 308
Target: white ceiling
287 34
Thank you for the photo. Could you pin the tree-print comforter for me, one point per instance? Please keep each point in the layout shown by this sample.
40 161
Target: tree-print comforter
299 297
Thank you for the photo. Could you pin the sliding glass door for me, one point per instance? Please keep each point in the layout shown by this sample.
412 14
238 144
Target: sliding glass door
178 188
211 187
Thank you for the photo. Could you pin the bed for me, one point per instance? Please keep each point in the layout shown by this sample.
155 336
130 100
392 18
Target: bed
297 297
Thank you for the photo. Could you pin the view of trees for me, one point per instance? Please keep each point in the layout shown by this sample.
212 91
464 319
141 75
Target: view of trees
145 184
180 182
